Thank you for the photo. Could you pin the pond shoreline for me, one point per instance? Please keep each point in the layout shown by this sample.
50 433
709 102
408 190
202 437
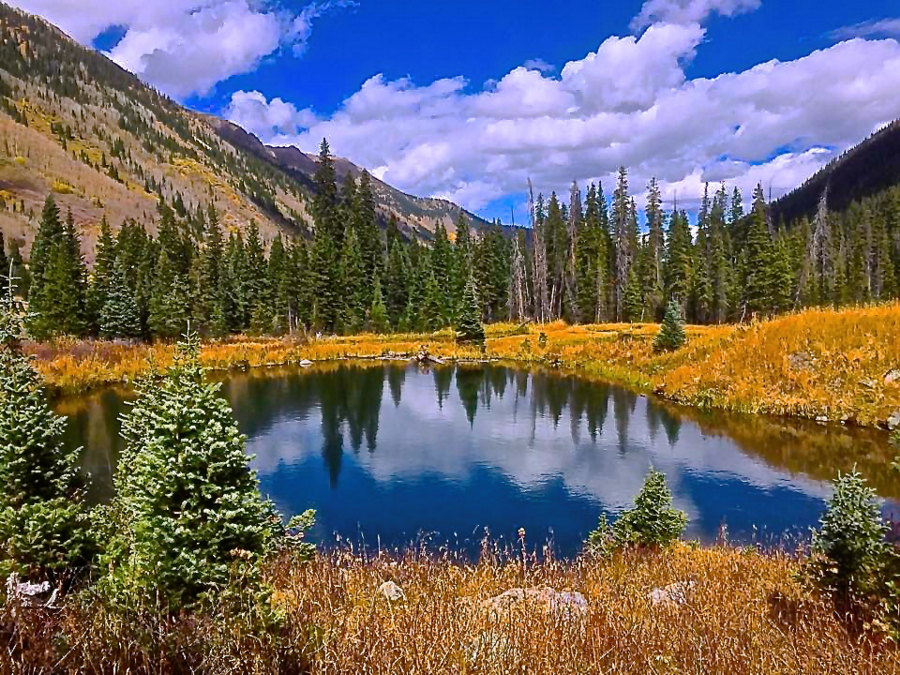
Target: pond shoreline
824 365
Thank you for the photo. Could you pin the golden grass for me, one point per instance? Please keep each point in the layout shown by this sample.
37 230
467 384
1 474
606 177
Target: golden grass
814 364
744 613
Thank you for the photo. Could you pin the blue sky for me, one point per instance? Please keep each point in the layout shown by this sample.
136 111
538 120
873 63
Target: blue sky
469 99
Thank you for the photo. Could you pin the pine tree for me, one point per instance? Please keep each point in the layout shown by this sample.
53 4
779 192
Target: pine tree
678 259
209 305
119 315
653 279
671 334
170 298
378 316
43 520
397 282
757 280
366 223
624 240
57 296
187 507
468 326
101 279
355 285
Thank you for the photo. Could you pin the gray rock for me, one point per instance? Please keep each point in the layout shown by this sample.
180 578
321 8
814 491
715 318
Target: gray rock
672 595
391 591
893 421
892 376
27 594
546 599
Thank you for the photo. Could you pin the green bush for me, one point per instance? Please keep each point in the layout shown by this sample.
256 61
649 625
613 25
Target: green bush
671 334
851 539
43 521
187 517
651 522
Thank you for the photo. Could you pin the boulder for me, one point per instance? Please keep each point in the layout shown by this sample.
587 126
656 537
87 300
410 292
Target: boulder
391 591
546 599
893 421
672 595
27 594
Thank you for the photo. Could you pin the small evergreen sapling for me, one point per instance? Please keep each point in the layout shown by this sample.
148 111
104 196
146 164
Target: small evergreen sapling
671 334
651 522
851 539
188 514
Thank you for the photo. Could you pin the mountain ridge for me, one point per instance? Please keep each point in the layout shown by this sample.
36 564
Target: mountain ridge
75 124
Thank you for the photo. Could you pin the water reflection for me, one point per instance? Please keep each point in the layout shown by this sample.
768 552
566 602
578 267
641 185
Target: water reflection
387 450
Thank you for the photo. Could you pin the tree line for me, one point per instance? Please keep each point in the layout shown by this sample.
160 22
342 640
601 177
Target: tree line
590 260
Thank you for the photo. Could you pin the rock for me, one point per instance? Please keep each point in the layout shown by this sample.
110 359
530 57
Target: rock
822 419
891 377
546 599
27 594
893 421
305 363
391 591
800 360
424 357
672 595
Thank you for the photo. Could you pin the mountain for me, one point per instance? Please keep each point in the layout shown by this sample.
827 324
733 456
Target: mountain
74 123
863 171
420 215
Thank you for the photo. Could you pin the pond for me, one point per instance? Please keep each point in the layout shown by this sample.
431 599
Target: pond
390 453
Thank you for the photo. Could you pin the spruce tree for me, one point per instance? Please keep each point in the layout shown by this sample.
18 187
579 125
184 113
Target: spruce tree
671 334
355 285
468 326
119 315
57 297
758 273
187 508
43 520
101 279
378 316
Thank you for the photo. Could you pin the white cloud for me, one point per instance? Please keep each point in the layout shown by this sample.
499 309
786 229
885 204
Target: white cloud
267 119
875 28
186 47
539 64
628 103
689 11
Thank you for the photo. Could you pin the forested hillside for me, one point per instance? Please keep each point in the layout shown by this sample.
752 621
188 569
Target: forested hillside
75 124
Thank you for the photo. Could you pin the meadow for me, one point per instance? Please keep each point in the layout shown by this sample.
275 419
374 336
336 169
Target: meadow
677 610
821 364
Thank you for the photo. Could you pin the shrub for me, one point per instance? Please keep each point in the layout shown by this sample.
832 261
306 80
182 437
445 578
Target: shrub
652 521
671 334
43 521
851 539
187 516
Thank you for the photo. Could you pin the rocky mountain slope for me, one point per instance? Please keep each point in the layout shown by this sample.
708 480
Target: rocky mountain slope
74 123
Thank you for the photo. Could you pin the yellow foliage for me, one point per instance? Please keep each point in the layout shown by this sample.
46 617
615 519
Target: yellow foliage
813 364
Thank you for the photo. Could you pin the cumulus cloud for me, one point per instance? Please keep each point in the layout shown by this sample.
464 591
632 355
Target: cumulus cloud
186 47
629 103
267 119
689 11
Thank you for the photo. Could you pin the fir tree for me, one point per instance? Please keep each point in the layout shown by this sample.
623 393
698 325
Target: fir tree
43 521
355 283
671 334
378 316
187 508
468 326
101 279
119 315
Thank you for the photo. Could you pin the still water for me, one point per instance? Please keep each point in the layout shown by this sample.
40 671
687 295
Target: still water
394 453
